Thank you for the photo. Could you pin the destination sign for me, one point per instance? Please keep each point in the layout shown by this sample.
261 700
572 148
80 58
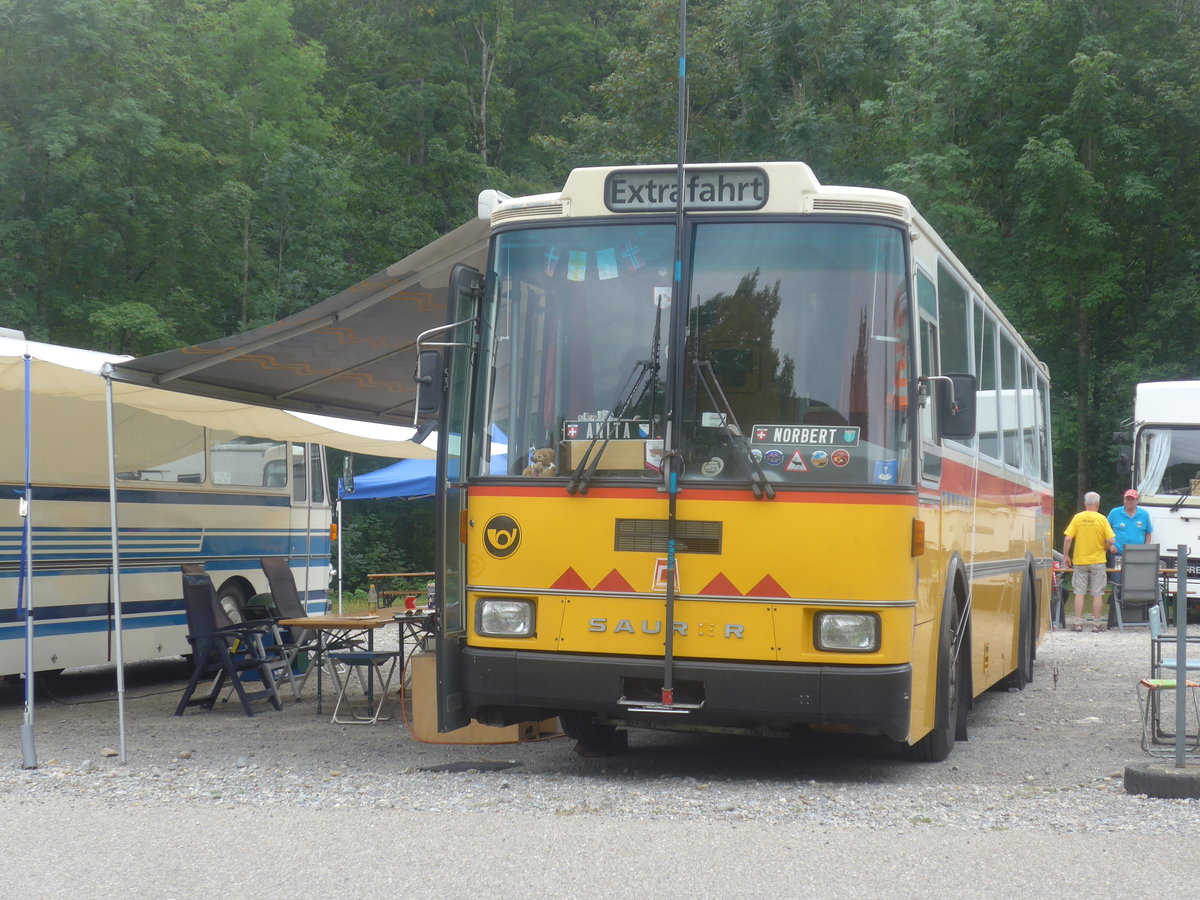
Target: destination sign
641 190
806 435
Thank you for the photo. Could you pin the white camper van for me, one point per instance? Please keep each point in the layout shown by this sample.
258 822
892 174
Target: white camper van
1165 466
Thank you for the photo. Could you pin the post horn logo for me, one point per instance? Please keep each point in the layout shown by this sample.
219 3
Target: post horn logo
501 536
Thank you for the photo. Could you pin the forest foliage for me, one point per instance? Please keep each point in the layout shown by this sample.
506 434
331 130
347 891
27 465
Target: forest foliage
172 171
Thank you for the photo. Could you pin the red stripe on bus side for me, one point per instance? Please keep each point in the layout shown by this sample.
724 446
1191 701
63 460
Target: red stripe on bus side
741 496
958 478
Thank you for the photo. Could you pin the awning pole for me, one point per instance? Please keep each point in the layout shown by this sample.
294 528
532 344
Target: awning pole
28 748
116 554
339 545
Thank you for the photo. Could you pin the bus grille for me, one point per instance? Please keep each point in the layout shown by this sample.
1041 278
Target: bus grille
650 536
865 206
528 212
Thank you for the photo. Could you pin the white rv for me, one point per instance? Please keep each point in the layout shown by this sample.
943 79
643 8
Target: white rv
1166 468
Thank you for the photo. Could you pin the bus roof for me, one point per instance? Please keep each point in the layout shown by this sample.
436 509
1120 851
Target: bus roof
1167 403
767 187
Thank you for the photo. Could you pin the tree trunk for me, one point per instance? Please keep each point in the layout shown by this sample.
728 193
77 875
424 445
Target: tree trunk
1083 347
244 300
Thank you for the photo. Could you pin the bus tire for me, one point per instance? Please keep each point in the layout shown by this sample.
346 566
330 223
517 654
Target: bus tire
950 720
582 727
232 599
1023 674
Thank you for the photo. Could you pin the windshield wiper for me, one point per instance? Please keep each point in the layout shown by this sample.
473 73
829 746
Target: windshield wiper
1187 492
716 396
643 375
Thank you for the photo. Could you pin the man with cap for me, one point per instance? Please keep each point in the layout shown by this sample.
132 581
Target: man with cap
1131 524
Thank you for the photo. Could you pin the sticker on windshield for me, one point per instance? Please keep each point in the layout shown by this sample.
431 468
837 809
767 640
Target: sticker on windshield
806 435
885 471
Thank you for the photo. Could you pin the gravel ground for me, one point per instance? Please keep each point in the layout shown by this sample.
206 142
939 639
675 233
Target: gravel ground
1035 801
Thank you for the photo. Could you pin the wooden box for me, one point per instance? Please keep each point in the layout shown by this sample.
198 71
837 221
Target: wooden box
617 455
424 713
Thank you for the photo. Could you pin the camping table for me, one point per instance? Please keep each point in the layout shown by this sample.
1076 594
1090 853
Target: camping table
387 596
342 629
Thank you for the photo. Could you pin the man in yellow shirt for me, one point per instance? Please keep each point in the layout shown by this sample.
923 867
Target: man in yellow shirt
1092 538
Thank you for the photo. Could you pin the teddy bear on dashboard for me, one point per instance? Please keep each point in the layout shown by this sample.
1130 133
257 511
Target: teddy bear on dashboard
541 464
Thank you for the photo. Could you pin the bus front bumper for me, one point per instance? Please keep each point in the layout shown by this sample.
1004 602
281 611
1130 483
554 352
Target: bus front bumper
505 686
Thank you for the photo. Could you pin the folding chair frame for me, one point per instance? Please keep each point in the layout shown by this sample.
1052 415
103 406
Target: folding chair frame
381 664
1153 737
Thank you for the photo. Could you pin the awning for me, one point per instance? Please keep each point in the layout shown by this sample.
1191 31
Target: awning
69 403
351 356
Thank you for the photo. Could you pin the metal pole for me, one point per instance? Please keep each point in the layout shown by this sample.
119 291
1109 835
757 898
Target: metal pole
670 467
116 556
28 748
340 537
1181 557
308 516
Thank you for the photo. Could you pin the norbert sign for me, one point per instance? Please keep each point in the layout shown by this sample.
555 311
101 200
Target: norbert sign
711 189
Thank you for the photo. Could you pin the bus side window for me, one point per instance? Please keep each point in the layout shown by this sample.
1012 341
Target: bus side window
315 465
299 474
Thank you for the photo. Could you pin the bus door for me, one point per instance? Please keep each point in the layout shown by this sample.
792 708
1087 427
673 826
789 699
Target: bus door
447 376
308 503
930 457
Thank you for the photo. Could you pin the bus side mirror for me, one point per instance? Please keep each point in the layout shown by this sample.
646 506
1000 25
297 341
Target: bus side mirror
348 474
1124 461
429 378
956 406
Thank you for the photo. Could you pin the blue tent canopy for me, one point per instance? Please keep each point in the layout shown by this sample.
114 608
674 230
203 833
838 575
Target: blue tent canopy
412 478
396 480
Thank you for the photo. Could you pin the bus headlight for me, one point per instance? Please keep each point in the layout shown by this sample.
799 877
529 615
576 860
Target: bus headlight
847 632
504 618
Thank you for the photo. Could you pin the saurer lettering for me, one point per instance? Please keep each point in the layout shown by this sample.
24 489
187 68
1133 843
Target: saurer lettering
600 625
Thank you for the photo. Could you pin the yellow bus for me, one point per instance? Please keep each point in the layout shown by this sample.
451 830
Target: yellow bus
770 463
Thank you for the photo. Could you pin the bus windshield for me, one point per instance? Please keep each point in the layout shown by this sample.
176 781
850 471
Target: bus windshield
798 330
1169 463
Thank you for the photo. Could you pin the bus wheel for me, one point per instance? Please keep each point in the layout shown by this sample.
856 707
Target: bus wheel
950 720
593 739
1023 674
232 599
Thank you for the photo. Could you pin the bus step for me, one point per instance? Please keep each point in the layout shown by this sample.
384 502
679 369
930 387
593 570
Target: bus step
644 707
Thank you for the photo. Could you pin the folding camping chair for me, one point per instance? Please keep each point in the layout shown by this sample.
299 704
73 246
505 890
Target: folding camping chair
370 665
1149 692
223 650
1139 588
228 611
292 641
